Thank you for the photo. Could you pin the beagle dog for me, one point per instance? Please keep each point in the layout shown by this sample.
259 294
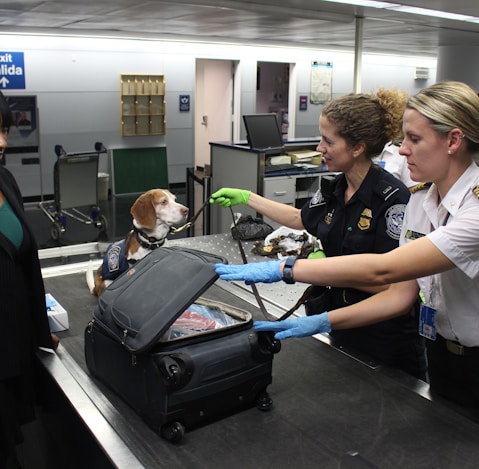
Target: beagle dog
154 214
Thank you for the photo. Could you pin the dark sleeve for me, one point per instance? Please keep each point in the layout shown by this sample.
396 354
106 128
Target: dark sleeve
30 263
391 215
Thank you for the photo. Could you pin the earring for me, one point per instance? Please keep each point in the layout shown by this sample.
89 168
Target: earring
448 152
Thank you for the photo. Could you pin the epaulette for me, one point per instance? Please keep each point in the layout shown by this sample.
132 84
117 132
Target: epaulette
419 187
476 191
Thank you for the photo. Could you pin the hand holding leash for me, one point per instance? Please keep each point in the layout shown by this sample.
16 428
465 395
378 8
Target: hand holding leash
303 326
228 197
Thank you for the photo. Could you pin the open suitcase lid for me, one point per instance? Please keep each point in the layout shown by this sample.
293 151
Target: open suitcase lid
141 304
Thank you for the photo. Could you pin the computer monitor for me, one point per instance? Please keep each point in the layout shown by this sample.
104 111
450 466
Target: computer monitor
262 131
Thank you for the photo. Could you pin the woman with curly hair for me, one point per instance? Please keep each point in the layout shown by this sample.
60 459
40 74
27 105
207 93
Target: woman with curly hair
360 211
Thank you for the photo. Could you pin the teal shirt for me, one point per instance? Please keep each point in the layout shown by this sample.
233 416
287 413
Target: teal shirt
10 225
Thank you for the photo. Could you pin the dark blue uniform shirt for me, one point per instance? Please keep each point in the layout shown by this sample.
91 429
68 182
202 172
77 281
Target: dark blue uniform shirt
370 222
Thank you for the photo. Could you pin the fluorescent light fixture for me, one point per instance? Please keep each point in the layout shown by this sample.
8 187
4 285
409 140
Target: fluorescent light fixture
435 13
409 9
366 3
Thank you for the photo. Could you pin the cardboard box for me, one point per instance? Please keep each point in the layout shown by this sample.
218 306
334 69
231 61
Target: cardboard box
57 315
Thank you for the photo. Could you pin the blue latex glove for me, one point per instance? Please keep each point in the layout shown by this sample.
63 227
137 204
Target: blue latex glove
265 272
303 326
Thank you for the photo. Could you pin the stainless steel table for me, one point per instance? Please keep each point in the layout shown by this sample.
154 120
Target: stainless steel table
330 409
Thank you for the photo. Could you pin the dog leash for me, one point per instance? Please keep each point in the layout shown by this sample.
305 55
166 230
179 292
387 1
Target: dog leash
187 225
253 286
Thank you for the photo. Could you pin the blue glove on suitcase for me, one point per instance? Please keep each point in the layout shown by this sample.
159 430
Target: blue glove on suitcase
303 326
264 272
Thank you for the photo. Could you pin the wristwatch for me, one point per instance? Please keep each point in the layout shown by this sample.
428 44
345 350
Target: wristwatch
288 270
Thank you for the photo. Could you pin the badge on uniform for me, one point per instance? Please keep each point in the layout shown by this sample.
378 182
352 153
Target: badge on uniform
427 322
329 217
113 256
365 218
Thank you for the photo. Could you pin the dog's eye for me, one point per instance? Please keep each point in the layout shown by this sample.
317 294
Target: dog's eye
163 202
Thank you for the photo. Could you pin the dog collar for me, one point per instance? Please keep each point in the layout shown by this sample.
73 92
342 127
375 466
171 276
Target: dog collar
148 242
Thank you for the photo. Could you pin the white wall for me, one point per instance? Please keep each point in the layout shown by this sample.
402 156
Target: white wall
77 83
459 63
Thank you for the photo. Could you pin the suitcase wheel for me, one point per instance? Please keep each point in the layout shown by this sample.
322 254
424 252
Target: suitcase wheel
264 345
264 402
173 432
175 369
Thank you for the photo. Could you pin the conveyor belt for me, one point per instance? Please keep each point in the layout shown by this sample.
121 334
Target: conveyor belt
329 411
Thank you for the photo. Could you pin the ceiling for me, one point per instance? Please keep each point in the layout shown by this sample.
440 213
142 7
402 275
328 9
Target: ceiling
301 23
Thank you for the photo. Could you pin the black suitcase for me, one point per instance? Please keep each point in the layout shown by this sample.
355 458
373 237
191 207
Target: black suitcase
149 341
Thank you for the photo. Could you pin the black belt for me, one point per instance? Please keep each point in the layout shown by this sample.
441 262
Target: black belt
456 348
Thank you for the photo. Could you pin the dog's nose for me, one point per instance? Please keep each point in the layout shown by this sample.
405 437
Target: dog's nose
185 211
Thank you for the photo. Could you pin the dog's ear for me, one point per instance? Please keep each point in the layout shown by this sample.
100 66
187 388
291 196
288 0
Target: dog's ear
143 210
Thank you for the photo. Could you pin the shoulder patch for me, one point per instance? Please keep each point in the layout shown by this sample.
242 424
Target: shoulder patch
394 220
419 187
476 191
317 199
114 261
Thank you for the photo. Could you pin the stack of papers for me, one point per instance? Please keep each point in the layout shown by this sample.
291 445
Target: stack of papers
303 156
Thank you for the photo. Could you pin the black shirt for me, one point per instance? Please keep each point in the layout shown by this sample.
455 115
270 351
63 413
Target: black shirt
370 222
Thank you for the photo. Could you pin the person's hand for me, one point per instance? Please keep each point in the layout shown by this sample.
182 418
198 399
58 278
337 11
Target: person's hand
303 326
317 254
228 197
55 340
265 272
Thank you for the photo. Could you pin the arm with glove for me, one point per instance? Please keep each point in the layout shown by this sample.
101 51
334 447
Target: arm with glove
280 213
254 272
303 326
393 302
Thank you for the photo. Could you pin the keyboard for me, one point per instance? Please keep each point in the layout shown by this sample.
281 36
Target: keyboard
279 167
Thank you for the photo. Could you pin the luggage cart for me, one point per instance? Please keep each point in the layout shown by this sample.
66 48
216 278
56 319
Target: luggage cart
75 178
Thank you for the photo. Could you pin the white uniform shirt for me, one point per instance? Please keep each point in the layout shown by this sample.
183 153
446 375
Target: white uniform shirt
394 163
453 227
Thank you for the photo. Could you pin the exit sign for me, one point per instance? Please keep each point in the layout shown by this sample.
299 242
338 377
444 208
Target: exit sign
12 70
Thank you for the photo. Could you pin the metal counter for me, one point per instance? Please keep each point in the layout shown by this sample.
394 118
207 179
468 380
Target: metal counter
330 410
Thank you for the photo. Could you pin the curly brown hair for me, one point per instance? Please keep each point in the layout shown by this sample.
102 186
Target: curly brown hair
372 119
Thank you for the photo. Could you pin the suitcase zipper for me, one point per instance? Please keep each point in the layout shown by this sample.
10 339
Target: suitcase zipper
125 333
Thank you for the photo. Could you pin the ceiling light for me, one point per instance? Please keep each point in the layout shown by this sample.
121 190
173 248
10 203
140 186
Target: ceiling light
409 9
435 13
366 3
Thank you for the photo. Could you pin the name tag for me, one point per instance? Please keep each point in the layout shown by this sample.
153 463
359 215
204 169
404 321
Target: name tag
427 322
410 234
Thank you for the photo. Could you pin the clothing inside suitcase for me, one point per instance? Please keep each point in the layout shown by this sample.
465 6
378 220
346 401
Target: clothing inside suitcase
183 359
204 316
